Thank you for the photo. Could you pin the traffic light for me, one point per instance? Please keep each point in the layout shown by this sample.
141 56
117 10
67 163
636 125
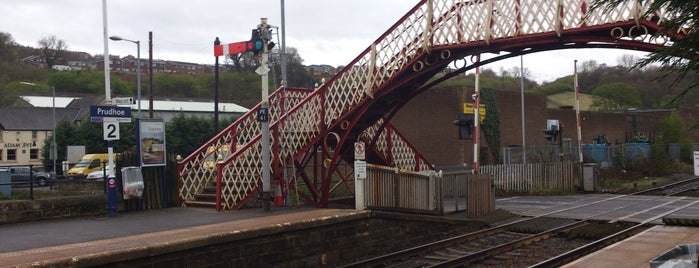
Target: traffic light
551 135
256 44
465 124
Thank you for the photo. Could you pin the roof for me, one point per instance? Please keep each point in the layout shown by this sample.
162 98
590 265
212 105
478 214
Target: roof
47 101
188 106
158 105
33 118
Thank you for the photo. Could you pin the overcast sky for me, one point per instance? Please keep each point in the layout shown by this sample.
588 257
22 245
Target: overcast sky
330 32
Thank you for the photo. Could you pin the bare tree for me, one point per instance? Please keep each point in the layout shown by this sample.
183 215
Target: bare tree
627 61
53 49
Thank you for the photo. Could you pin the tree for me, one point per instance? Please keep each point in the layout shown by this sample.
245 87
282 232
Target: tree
682 56
491 124
297 76
616 96
8 95
8 53
53 49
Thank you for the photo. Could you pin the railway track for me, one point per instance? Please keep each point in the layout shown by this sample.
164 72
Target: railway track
677 188
541 241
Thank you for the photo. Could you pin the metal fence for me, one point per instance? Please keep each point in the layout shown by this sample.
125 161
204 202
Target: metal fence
605 155
430 192
533 177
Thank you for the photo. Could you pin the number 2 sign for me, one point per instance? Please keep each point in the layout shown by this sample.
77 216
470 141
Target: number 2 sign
111 131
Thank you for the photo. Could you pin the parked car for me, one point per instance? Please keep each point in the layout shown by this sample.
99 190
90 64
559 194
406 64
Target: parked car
20 176
98 174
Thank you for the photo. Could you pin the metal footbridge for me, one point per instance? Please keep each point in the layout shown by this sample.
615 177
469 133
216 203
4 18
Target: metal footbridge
313 131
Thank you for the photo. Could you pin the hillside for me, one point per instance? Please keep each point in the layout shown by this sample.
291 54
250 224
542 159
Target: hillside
568 99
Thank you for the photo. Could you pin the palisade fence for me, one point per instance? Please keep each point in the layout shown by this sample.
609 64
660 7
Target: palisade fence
534 177
429 192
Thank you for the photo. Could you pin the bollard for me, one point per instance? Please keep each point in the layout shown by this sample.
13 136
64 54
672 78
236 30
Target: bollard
111 196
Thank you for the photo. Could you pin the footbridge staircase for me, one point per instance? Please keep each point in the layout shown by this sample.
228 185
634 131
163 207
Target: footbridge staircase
313 131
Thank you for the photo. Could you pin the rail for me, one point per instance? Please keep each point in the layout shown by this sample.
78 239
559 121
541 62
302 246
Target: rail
485 244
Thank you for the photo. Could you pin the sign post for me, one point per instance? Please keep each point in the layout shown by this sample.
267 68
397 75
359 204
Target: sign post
696 163
110 116
359 174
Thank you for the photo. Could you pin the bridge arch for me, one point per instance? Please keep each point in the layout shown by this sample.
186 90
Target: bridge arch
357 104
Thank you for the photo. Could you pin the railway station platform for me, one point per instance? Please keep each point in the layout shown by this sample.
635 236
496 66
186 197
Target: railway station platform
90 240
639 250
82 242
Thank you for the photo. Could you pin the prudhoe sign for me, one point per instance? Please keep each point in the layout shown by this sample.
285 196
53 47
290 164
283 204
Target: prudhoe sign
115 113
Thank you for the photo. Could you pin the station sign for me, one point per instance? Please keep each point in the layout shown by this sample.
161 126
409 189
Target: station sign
114 113
123 101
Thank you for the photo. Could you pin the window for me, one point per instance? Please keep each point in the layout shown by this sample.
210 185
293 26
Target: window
33 134
11 154
1 153
33 154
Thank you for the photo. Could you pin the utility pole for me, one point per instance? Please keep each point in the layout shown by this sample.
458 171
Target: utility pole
217 42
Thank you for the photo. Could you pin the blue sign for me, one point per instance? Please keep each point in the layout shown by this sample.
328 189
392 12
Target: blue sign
99 113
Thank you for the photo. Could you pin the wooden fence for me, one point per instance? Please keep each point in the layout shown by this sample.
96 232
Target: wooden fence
431 192
533 177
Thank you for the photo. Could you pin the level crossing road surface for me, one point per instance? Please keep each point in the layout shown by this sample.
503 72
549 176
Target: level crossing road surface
605 207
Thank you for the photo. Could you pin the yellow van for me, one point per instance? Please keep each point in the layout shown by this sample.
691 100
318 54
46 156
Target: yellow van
89 163
223 152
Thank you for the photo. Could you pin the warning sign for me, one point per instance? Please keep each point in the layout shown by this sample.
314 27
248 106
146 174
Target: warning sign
359 150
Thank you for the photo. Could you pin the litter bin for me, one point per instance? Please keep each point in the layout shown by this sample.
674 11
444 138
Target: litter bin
589 176
132 182
5 183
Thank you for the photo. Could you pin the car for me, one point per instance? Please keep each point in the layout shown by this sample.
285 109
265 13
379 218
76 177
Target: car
98 174
20 176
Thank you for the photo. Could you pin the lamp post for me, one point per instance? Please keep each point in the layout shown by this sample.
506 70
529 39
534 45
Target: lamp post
521 92
138 67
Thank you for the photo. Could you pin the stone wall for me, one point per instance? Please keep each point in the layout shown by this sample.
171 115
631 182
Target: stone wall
15 211
332 243
66 199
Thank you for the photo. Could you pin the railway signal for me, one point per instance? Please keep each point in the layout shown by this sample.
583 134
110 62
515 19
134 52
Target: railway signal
465 124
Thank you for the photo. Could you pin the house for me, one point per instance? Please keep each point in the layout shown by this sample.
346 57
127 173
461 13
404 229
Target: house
23 131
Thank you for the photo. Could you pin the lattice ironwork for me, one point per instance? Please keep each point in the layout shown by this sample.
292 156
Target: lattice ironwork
402 60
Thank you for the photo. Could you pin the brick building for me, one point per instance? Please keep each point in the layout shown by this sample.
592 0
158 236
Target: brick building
427 123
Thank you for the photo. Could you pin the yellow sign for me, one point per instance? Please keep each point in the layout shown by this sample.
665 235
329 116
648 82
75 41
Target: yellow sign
469 109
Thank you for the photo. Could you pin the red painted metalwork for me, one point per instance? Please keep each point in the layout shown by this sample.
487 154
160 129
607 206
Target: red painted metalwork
358 103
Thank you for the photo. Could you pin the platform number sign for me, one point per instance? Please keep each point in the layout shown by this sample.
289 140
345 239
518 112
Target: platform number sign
111 131
263 115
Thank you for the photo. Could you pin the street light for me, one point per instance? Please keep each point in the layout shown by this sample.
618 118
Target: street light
52 153
138 67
